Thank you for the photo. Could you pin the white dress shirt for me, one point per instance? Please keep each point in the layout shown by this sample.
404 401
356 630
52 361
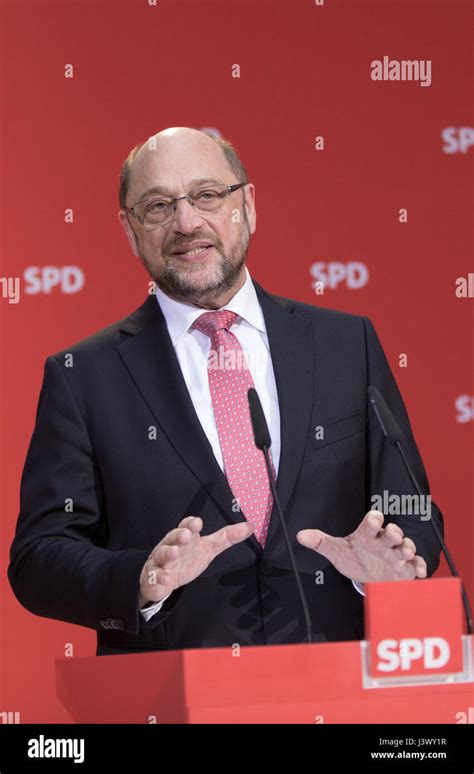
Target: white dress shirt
192 349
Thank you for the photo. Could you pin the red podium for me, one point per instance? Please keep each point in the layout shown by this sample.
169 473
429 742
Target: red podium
320 683
267 684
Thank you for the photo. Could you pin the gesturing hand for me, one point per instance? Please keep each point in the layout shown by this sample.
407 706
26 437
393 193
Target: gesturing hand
371 553
183 554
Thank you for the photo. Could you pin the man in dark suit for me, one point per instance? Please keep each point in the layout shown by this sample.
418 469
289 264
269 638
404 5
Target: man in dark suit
145 510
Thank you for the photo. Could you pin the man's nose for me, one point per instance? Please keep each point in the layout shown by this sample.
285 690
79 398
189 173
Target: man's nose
186 219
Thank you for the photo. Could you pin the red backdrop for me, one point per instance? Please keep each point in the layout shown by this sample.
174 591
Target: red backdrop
305 72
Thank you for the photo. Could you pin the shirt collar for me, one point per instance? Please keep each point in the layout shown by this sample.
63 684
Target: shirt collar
179 316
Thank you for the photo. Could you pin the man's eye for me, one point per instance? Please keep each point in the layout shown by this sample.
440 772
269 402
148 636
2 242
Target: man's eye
156 205
207 195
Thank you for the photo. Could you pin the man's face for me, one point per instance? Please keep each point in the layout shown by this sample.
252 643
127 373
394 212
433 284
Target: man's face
180 158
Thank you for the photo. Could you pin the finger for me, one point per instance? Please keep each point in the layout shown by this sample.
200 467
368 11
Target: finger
194 523
406 550
177 537
421 569
371 524
391 536
310 538
319 541
165 554
227 536
407 571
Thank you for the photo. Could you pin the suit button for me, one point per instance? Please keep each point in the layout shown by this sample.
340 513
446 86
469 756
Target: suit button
267 568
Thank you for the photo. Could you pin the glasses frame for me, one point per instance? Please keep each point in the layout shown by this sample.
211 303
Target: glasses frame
229 189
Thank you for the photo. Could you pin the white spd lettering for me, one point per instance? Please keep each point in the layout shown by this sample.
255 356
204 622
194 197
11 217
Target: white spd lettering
401 654
457 139
42 279
354 274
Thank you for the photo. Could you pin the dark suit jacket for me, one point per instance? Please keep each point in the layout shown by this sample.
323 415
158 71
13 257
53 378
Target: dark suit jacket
97 493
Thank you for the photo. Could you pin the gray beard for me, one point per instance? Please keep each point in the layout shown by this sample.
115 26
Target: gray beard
179 284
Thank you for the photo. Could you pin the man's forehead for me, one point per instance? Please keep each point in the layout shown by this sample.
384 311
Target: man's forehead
177 153
169 151
167 166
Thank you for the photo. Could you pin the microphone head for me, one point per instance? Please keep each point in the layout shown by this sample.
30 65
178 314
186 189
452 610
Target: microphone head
385 417
259 423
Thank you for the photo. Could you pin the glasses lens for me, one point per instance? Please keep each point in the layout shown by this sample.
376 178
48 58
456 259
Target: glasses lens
158 210
154 211
209 199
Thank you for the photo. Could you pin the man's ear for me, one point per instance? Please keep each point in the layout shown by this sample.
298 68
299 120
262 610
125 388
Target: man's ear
249 204
131 236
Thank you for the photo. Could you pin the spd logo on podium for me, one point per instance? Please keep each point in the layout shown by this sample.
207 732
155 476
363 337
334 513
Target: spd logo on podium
414 628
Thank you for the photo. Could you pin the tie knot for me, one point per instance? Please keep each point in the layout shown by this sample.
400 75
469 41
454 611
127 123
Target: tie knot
210 322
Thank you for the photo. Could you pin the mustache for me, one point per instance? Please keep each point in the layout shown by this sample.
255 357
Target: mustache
183 245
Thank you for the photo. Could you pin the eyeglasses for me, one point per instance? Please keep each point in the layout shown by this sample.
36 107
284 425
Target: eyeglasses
159 210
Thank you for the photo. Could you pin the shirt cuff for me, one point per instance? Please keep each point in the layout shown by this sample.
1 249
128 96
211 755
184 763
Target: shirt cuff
149 612
359 587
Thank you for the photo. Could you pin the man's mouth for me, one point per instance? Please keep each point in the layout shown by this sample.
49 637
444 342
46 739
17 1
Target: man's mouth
193 248
196 251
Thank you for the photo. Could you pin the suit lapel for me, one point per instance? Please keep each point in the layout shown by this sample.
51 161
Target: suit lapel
149 356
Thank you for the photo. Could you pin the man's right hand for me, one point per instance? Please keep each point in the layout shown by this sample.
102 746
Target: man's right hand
183 554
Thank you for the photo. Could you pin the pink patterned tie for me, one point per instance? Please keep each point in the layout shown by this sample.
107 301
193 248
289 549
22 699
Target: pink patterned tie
229 381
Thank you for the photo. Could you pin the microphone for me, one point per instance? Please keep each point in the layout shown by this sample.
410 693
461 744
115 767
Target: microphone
263 442
394 436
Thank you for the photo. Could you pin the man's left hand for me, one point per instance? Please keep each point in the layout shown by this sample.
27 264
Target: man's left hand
371 553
